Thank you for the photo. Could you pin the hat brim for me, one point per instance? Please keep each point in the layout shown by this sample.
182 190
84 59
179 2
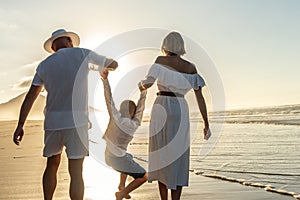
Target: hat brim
74 37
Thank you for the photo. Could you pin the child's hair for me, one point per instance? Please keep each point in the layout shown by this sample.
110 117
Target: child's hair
128 108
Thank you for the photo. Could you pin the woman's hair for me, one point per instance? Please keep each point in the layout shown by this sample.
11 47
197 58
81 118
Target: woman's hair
127 108
173 44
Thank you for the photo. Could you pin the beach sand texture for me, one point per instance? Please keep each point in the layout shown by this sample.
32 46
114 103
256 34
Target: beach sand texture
22 168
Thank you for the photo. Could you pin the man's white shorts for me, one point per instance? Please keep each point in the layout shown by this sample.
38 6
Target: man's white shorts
75 140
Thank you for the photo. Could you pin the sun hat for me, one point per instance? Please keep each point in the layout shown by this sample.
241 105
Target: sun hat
61 33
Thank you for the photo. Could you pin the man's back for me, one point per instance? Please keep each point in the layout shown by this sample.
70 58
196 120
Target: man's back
64 76
58 73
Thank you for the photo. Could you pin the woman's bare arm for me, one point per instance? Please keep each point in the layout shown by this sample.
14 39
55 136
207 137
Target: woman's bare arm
202 108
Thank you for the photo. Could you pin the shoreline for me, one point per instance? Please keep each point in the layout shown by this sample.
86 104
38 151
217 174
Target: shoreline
22 168
201 187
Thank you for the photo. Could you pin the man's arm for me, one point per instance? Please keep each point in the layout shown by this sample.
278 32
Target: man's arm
110 64
31 96
100 62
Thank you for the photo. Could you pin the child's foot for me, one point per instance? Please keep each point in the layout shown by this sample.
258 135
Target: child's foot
119 195
126 196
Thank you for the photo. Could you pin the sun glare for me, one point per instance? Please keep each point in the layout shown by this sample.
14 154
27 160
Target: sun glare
101 182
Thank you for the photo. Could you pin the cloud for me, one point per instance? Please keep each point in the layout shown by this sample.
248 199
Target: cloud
7 23
29 69
32 65
24 83
5 26
21 73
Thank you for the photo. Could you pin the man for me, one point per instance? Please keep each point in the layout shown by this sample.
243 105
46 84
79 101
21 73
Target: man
64 76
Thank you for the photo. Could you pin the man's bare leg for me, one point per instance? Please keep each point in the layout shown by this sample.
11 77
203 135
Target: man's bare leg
76 184
49 177
121 187
131 186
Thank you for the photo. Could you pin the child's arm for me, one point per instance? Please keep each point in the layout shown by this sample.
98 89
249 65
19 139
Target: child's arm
107 94
140 107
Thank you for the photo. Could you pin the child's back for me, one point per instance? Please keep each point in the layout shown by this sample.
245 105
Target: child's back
121 126
119 133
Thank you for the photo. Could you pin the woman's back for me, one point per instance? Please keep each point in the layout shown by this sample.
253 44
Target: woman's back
169 125
177 63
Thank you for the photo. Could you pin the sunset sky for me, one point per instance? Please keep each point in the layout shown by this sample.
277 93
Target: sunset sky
254 44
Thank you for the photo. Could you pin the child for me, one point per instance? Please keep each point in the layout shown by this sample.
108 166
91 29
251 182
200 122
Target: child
119 133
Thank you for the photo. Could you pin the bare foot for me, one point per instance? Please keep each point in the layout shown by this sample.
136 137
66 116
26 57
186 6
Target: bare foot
126 196
119 196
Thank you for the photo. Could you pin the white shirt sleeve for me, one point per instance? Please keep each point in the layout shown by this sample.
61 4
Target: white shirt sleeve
37 81
96 61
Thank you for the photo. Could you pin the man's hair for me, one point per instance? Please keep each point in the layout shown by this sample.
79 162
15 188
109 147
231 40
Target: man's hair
59 39
128 108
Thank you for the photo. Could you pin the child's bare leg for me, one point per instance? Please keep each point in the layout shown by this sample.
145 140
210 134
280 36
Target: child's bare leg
123 178
131 186
121 187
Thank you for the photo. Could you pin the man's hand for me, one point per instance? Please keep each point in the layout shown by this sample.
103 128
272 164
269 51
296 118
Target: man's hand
104 73
110 64
18 135
30 97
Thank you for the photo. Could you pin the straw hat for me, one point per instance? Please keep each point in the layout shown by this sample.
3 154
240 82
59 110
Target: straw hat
61 33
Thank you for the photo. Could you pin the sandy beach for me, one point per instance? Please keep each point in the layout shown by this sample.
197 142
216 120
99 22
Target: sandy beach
22 167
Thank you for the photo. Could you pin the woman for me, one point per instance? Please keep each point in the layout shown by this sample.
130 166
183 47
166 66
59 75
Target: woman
169 139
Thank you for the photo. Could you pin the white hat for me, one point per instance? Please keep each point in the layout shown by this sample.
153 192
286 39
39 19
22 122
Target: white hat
61 33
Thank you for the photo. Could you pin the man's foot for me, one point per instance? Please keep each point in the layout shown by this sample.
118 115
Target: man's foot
126 196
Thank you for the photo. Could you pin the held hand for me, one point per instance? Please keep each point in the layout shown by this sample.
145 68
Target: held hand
141 86
104 73
18 135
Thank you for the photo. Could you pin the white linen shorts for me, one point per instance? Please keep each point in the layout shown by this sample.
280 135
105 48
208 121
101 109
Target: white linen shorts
75 140
125 165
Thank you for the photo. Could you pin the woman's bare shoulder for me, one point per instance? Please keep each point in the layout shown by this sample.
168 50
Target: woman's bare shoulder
190 68
177 63
160 59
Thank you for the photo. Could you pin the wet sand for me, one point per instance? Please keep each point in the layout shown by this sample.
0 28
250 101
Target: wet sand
22 168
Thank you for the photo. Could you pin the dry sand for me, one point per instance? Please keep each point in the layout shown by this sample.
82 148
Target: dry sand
22 167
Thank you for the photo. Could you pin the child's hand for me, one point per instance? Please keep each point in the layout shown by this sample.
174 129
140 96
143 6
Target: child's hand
104 73
141 86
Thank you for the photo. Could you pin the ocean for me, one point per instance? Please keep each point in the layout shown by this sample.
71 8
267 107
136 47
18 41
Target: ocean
254 147
258 147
